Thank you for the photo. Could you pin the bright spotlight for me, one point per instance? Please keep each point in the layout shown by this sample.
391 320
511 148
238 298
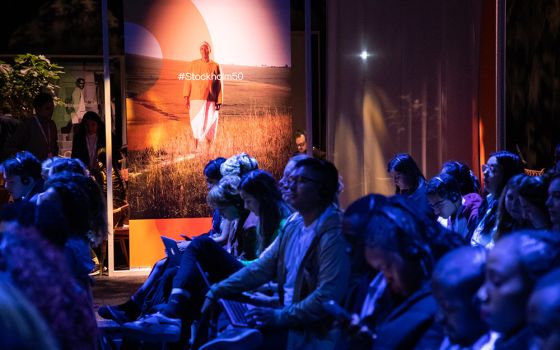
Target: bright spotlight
364 55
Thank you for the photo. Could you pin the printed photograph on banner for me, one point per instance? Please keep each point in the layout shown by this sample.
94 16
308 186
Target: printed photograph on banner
204 79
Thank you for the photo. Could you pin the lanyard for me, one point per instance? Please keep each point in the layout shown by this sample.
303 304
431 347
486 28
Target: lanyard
47 139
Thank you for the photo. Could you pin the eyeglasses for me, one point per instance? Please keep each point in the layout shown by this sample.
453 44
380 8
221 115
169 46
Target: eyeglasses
297 180
437 204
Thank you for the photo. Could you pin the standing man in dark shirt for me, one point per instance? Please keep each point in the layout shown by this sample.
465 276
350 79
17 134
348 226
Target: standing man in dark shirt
37 134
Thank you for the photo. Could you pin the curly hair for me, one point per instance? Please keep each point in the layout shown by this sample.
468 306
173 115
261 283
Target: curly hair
20 322
225 193
212 168
239 164
41 272
83 205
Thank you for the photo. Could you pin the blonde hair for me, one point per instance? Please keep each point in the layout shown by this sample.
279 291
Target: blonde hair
225 193
239 164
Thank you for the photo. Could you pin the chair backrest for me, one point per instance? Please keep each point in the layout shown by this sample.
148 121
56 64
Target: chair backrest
532 172
119 214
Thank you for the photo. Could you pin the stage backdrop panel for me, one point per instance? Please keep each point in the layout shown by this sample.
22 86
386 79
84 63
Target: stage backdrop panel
250 43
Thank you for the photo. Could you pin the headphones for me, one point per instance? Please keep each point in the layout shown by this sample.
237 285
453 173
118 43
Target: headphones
444 193
413 249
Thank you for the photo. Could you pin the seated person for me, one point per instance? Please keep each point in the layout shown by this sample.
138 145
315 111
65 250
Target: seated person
83 207
35 264
404 246
544 312
22 176
497 171
457 213
259 193
510 214
308 260
468 182
455 281
513 266
157 287
553 202
532 196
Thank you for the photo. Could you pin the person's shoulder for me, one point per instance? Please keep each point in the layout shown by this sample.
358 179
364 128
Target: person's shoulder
252 221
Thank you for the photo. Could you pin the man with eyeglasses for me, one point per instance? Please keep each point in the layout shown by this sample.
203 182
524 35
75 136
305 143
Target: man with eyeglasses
454 211
308 259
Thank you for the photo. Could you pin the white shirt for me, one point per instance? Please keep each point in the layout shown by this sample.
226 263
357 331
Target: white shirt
295 251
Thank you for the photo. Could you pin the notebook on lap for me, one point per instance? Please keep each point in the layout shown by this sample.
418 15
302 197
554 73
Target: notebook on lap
234 310
172 250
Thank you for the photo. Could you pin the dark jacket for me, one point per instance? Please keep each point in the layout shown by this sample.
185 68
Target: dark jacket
407 324
28 137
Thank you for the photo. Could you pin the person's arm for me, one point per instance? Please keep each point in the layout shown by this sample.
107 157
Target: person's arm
187 87
250 277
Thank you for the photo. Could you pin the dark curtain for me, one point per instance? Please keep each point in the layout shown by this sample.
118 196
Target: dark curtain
415 92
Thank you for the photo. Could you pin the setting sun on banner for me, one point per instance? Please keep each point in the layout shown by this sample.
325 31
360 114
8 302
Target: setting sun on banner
204 79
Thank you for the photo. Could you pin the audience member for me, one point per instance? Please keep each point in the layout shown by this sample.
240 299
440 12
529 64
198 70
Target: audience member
532 196
553 202
70 165
261 196
284 184
544 312
37 134
408 178
22 176
514 265
468 182
455 282
21 326
40 271
501 166
404 245
157 287
456 212
556 155
84 210
510 215
308 260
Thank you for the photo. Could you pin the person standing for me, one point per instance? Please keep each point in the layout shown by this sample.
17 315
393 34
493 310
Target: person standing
89 139
37 134
202 92
78 102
